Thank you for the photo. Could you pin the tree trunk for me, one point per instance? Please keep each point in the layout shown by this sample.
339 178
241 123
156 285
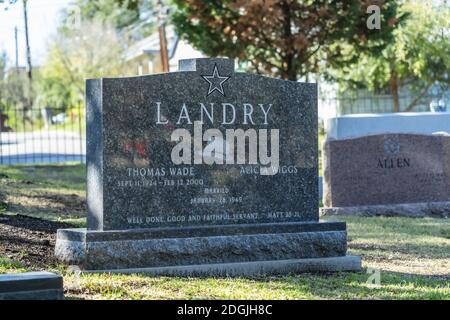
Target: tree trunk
417 99
29 68
394 91
290 71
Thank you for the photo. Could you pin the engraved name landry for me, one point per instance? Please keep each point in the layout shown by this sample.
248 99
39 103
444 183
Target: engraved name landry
224 148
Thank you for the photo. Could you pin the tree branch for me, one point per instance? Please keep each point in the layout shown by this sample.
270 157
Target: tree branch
417 99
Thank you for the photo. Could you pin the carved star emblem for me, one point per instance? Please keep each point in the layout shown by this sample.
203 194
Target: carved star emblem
215 82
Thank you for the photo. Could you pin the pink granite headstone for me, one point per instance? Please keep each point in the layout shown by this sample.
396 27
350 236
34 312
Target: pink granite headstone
388 174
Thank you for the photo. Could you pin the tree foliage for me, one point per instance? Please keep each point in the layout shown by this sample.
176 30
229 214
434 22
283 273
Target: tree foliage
90 43
92 51
3 60
418 58
132 16
13 88
284 38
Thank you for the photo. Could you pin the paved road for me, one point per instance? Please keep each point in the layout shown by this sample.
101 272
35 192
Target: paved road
41 147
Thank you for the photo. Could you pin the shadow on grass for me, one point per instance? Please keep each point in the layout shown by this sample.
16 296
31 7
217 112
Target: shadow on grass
304 286
43 212
68 176
33 224
419 250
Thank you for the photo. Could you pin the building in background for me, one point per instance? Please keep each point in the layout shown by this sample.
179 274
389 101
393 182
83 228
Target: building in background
144 56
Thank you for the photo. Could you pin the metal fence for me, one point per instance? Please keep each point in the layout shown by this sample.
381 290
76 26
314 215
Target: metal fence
42 135
384 104
48 135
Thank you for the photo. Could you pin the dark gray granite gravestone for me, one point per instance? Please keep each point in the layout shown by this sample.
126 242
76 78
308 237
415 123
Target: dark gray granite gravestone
388 174
205 169
31 286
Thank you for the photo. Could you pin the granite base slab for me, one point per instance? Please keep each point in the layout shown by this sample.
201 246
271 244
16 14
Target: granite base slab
218 245
422 209
255 268
31 286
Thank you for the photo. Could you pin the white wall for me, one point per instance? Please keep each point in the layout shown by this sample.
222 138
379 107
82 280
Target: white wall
184 51
358 125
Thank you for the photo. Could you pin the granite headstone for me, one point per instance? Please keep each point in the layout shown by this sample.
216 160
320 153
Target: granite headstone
202 166
388 174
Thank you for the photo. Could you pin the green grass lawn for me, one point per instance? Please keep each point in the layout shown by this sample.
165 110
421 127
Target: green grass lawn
54 192
321 141
410 255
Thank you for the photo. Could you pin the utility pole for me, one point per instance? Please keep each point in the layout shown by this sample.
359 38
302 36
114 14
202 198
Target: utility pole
29 68
162 38
17 49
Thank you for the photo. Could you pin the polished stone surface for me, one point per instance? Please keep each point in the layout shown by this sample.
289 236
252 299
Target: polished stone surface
31 286
133 182
387 169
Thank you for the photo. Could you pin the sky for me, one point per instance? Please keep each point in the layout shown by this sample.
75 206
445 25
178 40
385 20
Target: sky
43 18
